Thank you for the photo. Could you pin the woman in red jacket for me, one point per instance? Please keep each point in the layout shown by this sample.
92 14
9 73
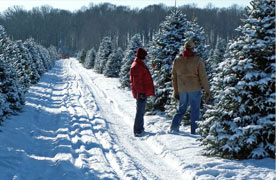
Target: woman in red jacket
142 86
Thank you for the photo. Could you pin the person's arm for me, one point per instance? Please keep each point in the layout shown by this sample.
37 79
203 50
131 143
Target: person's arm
174 81
204 80
137 78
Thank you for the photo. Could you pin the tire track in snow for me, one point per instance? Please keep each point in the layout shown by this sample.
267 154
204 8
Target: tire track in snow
74 134
79 136
137 150
35 141
62 152
64 139
121 162
67 132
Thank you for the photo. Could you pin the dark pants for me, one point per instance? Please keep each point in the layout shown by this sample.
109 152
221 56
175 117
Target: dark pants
139 118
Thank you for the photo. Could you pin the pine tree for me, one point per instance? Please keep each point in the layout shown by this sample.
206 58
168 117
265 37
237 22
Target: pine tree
90 59
197 35
241 124
9 86
216 57
45 57
104 51
219 51
3 105
4 40
81 56
166 44
11 92
24 78
113 64
19 64
53 54
30 67
32 46
130 54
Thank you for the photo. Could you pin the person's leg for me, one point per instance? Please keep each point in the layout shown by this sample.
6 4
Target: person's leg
183 104
194 98
139 118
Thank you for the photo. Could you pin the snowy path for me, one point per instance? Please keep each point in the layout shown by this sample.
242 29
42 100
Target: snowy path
78 125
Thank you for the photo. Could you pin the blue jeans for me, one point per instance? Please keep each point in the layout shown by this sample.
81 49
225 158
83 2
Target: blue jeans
139 118
186 98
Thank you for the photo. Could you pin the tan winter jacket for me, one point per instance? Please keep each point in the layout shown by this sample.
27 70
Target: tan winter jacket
188 74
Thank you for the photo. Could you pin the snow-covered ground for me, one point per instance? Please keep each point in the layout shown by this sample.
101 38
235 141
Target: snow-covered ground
77 125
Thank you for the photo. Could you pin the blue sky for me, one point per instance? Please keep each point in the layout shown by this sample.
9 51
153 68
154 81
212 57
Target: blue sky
73 5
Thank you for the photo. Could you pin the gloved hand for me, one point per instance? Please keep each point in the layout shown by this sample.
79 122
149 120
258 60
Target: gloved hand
207 96
176 95
141 96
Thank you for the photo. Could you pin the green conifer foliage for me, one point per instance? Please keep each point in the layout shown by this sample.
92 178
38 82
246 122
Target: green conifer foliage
241 124
103 53
130 54
166 45
90 58
113 64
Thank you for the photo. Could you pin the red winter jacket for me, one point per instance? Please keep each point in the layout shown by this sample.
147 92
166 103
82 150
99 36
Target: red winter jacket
140 79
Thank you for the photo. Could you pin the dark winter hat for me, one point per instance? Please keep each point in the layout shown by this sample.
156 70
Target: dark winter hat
141 53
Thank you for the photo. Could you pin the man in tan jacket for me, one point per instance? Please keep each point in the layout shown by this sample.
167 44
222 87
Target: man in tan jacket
188 78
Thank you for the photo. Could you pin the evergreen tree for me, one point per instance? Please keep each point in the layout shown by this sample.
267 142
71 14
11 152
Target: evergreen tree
11 92
104 51
17 69
197 35
216 56
241 124
166 44
9 87
19 64
3 105
210 66
53 54
30 67
32 46
4 40
113 64
81 56
24 77
219 51
130 54
12 54
90 59
45 57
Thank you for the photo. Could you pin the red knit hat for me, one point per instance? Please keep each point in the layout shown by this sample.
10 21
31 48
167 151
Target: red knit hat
141 53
